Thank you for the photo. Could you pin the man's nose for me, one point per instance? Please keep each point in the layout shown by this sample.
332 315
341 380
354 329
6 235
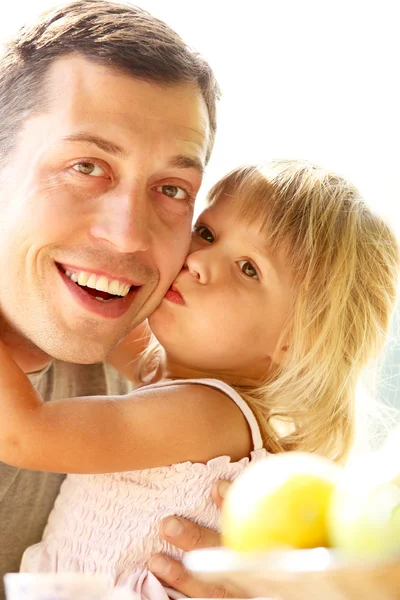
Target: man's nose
124 220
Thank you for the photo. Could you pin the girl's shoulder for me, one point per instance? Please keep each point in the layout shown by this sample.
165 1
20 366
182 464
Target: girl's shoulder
206 410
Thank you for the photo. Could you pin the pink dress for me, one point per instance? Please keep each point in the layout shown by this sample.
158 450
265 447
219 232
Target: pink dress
110 523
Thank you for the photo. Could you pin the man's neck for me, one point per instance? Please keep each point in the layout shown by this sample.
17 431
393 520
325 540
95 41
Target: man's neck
28 356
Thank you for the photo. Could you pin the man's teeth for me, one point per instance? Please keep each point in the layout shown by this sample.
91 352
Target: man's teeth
100 282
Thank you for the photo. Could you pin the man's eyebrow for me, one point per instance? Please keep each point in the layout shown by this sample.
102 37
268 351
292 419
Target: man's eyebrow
95 140
183 161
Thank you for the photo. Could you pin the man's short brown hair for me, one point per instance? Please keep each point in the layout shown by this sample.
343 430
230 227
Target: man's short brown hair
121 36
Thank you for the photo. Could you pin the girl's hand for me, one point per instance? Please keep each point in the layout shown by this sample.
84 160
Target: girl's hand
189 536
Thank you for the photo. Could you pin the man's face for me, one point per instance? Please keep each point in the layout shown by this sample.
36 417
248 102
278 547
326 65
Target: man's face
99 189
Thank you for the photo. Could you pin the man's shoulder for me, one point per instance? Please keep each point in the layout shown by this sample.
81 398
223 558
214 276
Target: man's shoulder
117 382
65 380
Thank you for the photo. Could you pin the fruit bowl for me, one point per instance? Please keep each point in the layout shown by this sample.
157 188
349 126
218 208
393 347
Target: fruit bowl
316 574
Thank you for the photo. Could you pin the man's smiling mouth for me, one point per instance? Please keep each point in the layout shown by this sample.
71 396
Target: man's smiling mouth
100 287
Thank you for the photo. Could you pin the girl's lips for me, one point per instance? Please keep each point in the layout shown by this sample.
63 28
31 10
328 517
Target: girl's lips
174 296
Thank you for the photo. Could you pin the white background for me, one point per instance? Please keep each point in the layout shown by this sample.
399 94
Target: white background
314 79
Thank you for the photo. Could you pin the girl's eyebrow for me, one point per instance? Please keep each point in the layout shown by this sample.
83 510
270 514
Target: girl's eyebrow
267 255
262 251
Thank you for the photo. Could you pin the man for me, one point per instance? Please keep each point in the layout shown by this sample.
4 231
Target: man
107 120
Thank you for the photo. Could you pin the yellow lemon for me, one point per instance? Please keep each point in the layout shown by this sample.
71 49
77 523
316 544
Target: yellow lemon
281 501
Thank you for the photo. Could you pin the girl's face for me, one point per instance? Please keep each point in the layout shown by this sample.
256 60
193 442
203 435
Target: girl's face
225 311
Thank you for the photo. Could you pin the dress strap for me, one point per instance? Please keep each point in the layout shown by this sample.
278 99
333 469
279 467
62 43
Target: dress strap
229 391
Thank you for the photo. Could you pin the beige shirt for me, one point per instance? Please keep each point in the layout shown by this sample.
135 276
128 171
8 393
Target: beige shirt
27 497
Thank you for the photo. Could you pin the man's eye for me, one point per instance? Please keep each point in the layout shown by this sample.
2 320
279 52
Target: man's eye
205 233
248 269
172 191
89 168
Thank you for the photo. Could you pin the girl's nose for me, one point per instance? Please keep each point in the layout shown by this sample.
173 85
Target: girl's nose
197 264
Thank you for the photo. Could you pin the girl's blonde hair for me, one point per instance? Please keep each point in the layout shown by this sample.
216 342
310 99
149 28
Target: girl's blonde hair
345 263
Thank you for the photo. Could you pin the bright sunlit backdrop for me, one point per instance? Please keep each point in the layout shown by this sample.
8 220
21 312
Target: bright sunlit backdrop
303 78
307 79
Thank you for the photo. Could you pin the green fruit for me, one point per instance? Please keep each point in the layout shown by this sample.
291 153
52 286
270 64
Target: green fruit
364 516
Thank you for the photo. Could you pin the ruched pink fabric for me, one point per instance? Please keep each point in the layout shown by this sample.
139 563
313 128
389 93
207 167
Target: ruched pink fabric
110 523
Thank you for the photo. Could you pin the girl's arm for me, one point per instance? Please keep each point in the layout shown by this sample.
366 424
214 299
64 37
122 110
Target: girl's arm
144 429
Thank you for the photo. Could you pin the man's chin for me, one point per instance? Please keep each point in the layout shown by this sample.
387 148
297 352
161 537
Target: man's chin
80 358
82 351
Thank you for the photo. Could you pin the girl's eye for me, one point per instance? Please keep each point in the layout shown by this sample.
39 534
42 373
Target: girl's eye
89 168
172 191
248 269
205 233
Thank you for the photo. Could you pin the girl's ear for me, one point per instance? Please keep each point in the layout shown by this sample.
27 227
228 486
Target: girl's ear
279 354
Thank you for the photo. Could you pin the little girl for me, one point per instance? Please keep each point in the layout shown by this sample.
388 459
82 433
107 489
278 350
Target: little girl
286 295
